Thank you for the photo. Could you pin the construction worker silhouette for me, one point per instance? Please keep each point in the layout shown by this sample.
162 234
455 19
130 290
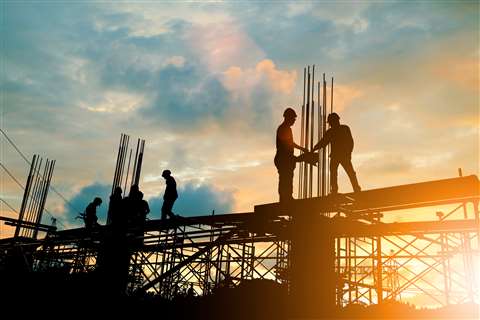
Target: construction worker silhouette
285 159
115 206
144 207
341 141
169 196
132 206
91 213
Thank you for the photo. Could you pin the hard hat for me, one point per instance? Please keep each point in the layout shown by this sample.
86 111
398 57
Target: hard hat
289 113
166 173
333 117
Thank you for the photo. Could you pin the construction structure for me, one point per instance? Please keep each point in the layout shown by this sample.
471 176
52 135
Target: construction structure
327 251
334 250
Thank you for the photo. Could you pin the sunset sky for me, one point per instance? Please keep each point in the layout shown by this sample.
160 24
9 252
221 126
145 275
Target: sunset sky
205 84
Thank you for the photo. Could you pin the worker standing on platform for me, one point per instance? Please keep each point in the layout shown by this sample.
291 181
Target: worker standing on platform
285 160
115 206
341 141
91 214
170 195
144 207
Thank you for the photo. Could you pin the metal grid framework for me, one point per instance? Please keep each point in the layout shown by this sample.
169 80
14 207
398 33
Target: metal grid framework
437 260
198 258
78 255
438 266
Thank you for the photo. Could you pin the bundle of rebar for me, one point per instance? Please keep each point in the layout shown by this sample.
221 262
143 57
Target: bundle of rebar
34 197
311 133
133 178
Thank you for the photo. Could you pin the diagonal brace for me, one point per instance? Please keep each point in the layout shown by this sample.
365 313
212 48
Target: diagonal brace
187 261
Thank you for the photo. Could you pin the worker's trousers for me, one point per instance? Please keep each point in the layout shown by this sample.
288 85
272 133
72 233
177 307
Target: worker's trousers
346 163
285 166
167 209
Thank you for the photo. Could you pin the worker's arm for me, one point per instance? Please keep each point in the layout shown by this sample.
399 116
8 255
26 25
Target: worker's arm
349 140
300 147
147 208
323 142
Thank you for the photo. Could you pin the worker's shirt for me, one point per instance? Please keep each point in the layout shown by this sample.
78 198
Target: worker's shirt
145 208
171 189
285 144
340 139
91 212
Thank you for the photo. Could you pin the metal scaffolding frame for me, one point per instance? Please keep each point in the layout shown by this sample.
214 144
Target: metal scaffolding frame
374 260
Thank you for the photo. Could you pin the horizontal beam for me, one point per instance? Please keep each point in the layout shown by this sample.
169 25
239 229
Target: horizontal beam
446 191
231 219
343 227
27 224
211 220
455 190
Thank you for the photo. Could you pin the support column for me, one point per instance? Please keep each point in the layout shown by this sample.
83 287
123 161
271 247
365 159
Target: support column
313 279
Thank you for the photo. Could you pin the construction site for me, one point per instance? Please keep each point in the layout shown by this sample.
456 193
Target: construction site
317 256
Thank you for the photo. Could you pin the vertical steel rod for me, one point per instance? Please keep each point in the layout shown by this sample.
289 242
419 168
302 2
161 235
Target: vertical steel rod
307 127
312 130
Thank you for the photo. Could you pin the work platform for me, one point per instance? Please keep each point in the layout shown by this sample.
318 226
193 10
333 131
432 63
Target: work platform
417 195
335 247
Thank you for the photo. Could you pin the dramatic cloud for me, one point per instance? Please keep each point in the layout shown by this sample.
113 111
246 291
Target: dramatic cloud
264 73
195 200
84 197
186 97
205 84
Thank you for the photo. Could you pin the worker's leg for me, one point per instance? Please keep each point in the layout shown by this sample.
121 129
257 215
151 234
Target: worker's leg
285 184
347 165
170 212
166 208
333 175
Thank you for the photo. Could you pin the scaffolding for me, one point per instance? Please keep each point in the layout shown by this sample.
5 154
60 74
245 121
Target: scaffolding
374 261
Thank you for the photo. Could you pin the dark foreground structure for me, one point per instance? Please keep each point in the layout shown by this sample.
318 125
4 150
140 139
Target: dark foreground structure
324 257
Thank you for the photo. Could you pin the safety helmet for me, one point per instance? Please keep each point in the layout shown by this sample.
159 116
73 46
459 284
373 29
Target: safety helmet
289 113
332 117
166 173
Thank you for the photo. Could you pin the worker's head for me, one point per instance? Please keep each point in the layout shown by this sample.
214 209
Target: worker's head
118 191
166 173
133 190
140 195
97 201
290 116
333 119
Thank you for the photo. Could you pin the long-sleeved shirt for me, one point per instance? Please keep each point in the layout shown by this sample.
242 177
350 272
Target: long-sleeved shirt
91 213
340 139
171 189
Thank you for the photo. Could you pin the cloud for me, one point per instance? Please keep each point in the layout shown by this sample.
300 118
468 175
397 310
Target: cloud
195 200
115 101
206 85
385 163
222 45
186 97
343 95
84 197
281 81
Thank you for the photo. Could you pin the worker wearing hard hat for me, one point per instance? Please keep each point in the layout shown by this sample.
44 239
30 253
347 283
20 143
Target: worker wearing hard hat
285 160
341 141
